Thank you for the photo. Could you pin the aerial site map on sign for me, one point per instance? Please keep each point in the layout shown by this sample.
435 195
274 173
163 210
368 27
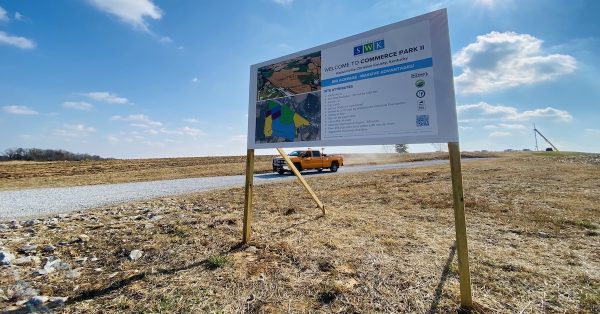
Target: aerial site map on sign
288 108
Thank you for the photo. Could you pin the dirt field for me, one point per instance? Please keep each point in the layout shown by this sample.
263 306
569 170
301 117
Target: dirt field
18 175
385 245
15 175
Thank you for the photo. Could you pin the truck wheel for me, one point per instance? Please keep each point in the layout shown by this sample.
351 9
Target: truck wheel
320 170
280 171
334 167
298 166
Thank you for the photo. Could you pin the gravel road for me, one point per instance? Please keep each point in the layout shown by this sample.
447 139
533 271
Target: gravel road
41 202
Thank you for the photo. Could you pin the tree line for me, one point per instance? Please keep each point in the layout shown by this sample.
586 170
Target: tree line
37 154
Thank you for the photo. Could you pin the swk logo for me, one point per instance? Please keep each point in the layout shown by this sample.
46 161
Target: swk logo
369 47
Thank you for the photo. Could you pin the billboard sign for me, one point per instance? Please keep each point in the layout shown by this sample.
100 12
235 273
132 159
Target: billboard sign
390 85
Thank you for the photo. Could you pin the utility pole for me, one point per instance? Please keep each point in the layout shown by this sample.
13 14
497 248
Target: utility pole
535 135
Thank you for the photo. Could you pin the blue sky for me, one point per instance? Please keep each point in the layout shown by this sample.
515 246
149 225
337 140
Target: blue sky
143 78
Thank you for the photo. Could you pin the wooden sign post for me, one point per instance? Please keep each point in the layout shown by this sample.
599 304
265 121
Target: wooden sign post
247 223
460 226
248 196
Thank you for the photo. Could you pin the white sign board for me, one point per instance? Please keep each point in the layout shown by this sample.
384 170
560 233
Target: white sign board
390 85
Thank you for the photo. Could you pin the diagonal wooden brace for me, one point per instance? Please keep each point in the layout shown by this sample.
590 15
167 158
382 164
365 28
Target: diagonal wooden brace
301 178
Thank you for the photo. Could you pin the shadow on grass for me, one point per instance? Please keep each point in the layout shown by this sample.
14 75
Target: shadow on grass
297 224
92 294
95 293
445 272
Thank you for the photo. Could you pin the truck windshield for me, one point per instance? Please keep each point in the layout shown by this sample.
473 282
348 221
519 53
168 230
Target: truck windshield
295 153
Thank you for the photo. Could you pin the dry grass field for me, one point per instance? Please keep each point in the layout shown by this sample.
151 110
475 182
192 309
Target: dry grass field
385 245
18 175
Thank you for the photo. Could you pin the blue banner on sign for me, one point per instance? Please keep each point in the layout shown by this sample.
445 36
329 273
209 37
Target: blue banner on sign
393 69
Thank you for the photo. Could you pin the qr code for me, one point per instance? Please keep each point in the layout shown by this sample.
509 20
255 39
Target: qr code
423 120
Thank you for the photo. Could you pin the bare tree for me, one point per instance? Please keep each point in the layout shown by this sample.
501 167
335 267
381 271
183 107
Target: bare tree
401 148
439 147
388 149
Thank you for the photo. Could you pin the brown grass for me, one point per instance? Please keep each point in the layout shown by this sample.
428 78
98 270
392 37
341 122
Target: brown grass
365 159
19 174
385 245
16 175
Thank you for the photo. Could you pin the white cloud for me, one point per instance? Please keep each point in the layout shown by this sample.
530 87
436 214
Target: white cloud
240 138
78 105
195 80
169 132
113 139
486 3
186 130
139 120
499 134
284 46
154 143
512 126
78 128
165 40
547 112
3 16
191 120
285 3
505 126
16 41
124 137
107 97
191 131
593 131
19 16
20 110
465 127
74 130
487 108
513 114
501 60
133 12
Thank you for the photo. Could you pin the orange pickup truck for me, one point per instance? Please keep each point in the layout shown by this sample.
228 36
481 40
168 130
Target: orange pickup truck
308 159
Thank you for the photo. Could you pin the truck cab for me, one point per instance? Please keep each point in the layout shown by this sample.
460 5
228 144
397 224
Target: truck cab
308 159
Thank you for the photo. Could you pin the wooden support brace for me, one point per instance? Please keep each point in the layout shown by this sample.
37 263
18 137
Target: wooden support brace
301 178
